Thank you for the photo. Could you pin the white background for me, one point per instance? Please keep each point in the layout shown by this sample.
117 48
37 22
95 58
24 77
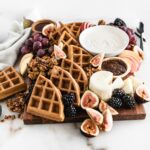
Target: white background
126 135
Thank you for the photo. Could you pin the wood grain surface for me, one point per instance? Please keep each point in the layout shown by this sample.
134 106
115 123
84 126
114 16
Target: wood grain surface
137 113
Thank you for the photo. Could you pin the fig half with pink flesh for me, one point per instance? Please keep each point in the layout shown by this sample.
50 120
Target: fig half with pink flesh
97 60
142 94
95 115
59 53
89 128
107 122
47 29
103 106
89 99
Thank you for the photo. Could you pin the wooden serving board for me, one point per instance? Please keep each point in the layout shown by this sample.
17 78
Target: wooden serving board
137 113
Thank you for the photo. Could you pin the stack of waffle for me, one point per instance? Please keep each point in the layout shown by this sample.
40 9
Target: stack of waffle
68 76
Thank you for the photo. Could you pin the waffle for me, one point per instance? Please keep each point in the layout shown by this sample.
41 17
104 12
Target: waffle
66 39
10 83
79 56
56 34
77 73
75 28
45 100
64 81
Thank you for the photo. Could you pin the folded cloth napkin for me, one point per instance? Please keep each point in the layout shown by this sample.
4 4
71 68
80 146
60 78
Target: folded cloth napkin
10 47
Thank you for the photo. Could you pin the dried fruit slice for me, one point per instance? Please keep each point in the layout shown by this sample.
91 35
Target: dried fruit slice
89 100
97 60
95 115
133 58
107 122
139 51
59 54
142 94
24 62
103 106
89 128
48 29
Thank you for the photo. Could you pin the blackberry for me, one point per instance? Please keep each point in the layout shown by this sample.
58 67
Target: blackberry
129 101
70 111
119 22
115 102
119 93
68 99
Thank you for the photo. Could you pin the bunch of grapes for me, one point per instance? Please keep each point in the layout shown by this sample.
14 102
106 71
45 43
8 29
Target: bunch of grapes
122 25
37 44
132 37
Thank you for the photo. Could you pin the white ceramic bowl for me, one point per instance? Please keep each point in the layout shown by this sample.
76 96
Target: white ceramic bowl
104 38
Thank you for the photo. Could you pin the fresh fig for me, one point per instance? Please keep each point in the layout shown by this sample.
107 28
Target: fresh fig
97 60
103 106
107 122
142 94
89 99
95 115
89 128
27 23
47 29
59 53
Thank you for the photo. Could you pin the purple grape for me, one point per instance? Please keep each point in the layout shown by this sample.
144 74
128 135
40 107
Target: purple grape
37 37
124 28
41 52
37 45
129 47
34 33
25 50
45 42
133 40
29 42
51 49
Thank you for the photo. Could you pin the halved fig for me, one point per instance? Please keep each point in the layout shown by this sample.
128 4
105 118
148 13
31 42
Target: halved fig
142 94
107 122
103 106
47 29
59 53
95 115
89 128
89 99
97 60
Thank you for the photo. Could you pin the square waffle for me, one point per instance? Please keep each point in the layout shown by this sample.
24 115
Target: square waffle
10 83
45 100
66 39
64 81
56 34
79 56
75 28
77 73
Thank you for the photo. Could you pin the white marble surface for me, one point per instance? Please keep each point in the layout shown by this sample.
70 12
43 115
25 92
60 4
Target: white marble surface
126 135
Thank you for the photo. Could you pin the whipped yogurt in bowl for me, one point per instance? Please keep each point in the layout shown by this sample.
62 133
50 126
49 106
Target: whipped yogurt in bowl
104 38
